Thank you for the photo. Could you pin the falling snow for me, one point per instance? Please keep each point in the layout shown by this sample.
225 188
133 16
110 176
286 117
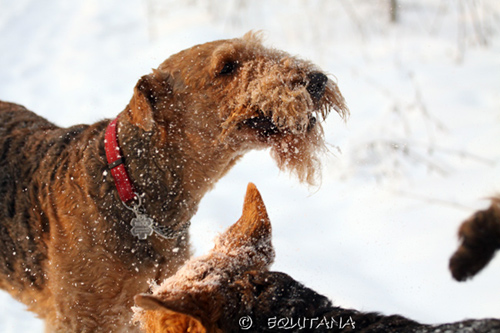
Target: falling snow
417 154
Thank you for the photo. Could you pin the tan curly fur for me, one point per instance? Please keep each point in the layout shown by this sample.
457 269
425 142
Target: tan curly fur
265 84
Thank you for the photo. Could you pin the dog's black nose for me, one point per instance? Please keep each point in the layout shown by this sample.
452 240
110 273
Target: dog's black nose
317 84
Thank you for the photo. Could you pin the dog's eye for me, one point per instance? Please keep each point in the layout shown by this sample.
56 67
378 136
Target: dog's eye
229 67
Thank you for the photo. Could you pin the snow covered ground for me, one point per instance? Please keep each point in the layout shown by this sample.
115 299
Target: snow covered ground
418 155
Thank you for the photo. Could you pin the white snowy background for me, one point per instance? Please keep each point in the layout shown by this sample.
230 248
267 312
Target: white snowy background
419 154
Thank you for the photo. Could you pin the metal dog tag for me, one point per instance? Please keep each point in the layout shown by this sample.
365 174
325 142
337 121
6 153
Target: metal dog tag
142 226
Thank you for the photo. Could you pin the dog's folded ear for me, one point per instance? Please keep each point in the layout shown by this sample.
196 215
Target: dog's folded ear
176 308
148 92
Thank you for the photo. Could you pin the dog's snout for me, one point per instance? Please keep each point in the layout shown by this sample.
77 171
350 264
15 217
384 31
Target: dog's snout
317 84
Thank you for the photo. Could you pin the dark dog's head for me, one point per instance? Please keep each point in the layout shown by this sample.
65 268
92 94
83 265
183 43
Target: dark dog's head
240 95
197 295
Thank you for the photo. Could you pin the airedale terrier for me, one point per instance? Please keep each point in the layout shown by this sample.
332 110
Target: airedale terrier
232 290
480 239
114 199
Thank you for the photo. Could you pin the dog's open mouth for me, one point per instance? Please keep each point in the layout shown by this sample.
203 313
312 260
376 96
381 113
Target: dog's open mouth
266 126
263 124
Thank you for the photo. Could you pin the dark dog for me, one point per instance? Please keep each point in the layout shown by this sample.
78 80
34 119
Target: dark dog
89 214
232 290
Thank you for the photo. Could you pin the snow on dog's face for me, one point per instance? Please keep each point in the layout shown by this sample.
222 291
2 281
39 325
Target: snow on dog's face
244 95
195 298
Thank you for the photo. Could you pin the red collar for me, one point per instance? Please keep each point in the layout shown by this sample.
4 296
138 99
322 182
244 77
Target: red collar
142 225
116 164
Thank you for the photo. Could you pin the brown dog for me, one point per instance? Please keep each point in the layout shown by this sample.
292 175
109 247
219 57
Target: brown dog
79 205
479 240
231 290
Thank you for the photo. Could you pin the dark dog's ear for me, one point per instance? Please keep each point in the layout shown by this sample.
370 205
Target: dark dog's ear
147 93
251 231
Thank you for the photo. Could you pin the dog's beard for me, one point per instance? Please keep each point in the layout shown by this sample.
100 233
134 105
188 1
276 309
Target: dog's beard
296 148
300 154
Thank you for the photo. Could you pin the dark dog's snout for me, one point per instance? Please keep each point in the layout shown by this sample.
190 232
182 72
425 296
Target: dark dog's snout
317 84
